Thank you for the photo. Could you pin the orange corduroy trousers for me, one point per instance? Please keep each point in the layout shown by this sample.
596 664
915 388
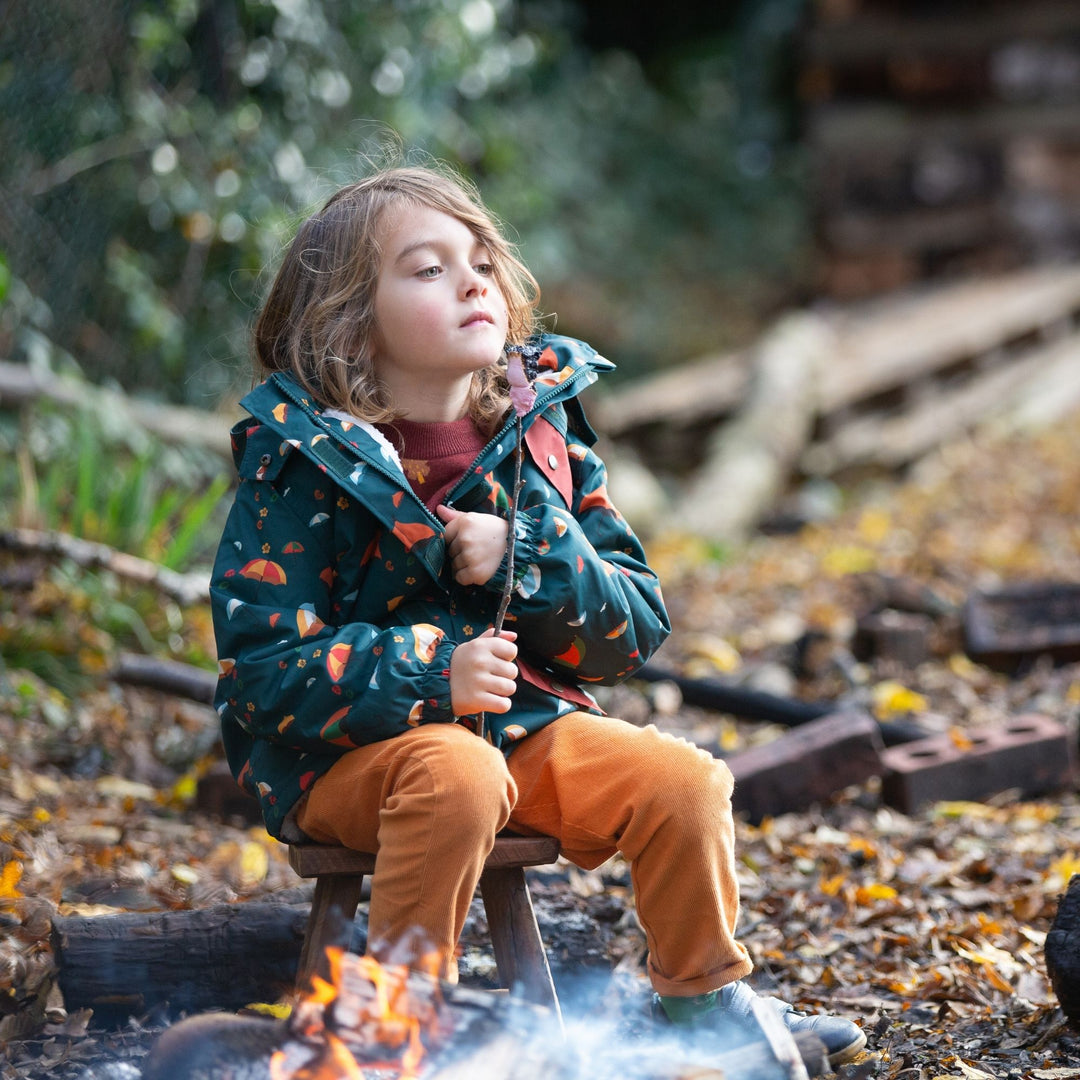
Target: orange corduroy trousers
430 802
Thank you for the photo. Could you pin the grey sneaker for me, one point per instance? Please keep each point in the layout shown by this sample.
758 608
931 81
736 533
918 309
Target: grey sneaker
842 1039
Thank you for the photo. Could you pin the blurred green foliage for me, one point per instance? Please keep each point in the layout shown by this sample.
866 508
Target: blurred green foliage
158 153
151 500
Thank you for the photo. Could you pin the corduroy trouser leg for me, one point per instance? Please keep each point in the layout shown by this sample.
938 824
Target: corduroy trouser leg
602 785
431 801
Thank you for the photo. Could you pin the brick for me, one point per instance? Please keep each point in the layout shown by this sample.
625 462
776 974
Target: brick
901 636
1031 753
1006 628
808 764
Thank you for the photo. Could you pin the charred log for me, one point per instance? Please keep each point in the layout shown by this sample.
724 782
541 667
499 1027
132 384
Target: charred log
1062 952
721 696
225 956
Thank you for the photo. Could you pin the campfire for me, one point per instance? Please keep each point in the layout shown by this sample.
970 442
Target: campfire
372 1021
380 1012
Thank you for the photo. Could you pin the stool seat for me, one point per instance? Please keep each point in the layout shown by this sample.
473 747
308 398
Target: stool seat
339 874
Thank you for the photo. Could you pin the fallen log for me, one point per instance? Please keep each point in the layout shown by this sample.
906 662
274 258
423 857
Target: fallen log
725 697
704 389
750 459
174 424
168 676
185 589
945 412
225 956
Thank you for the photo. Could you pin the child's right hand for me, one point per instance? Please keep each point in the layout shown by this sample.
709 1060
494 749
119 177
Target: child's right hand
482 674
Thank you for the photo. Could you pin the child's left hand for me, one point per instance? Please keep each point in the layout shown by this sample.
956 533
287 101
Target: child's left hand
476 544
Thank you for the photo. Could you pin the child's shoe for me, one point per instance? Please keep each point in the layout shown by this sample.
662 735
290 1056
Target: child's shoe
733 1006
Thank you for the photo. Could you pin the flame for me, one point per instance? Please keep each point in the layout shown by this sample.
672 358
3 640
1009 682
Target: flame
335 1062
366 1005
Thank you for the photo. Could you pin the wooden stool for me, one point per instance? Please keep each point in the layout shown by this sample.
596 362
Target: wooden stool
519 951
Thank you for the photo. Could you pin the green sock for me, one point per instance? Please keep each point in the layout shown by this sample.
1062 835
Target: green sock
685 1010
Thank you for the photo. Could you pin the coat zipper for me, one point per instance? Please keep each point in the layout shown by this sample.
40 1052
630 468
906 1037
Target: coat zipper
539 405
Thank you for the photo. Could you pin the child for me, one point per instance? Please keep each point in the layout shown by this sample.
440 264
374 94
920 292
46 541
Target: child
360 573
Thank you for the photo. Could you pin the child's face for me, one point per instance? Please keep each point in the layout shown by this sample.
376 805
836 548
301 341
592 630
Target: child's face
439 314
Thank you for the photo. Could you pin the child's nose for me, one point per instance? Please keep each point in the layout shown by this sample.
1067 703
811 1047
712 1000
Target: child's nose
474 285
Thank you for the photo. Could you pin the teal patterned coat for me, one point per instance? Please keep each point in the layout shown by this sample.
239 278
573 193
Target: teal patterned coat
335 609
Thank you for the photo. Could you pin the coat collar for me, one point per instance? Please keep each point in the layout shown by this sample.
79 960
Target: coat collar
364 463
567 366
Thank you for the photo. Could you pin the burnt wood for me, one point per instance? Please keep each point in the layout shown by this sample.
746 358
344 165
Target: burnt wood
168 676
225 956
1062 951
714 693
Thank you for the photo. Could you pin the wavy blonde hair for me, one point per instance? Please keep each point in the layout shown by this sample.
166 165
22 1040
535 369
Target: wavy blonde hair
318 318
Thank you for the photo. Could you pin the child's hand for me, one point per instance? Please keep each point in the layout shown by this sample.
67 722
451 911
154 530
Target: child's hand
476 543
482 673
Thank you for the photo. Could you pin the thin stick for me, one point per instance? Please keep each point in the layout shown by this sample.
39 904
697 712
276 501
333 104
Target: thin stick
508 585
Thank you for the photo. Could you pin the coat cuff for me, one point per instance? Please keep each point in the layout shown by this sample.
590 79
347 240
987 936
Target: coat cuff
434 706
526 551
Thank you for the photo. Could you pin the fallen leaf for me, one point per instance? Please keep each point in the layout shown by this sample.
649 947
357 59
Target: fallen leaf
10 876
890 698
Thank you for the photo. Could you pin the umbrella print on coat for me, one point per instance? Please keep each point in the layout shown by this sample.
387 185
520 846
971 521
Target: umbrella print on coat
265 570
336 659
307 622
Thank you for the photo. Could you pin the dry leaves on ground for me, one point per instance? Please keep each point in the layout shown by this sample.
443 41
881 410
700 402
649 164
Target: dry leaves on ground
928 928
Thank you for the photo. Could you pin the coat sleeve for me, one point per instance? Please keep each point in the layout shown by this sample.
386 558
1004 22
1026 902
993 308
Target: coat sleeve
585 599
288 672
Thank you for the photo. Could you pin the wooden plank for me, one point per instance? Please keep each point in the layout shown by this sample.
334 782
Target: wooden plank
702 389
313 860
877 439
863 129
885 346
882 37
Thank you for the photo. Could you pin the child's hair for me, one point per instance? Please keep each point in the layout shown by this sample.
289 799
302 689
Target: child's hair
318 318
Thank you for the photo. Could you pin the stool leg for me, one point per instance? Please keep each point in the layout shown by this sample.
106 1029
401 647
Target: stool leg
515 937
333 906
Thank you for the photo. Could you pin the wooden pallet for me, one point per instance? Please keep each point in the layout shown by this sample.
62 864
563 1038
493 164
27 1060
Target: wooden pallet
900 376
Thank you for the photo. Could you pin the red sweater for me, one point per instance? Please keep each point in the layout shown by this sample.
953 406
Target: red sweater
434 455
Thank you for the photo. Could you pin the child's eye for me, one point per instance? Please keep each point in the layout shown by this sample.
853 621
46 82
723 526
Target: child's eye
486 269
430 272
